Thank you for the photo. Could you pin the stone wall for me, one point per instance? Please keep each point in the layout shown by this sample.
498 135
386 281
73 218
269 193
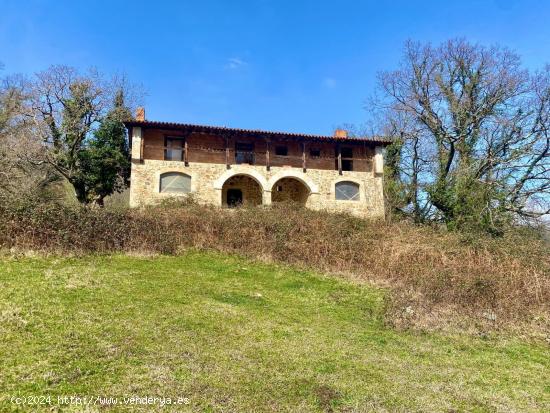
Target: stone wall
207 185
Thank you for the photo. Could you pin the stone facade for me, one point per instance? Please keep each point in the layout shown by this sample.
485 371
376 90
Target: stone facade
258 184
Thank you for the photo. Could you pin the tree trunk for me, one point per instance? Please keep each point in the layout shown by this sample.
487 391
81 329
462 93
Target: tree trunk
80 192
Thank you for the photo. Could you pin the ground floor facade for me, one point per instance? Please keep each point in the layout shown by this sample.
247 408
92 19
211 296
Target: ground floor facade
359 193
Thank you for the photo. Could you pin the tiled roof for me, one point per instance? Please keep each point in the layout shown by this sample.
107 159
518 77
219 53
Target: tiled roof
261 133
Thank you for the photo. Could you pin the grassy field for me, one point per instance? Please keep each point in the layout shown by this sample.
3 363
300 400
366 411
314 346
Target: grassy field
235 336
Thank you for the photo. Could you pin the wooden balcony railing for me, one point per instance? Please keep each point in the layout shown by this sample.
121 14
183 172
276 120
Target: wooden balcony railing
265 157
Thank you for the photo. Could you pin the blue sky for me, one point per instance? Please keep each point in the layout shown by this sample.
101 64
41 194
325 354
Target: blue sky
301 66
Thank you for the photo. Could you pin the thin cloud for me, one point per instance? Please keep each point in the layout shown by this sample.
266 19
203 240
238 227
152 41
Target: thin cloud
235 63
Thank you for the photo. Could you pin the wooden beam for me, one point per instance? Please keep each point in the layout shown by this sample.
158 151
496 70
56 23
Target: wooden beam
227 163
339 159
304 168
185 153
141 146
267 160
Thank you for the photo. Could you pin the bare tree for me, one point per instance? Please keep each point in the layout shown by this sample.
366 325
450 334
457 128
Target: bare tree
472 130
19 179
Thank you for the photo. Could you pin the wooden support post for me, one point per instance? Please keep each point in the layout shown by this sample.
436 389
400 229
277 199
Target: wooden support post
141 148
185 153
304 169
227 163
267 160
339 160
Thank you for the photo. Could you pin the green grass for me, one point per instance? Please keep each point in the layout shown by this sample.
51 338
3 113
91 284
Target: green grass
232 335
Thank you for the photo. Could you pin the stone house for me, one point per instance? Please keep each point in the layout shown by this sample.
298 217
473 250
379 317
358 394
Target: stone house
228 167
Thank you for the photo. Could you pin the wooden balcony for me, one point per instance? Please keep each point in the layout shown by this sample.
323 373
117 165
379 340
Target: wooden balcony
230 156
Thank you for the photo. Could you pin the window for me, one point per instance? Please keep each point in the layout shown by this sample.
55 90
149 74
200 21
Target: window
347 191
315 153
244 153
347 159
281 150
175 182
173 148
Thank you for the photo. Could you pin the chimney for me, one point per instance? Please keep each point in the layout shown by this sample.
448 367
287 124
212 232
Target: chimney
340 133
140 114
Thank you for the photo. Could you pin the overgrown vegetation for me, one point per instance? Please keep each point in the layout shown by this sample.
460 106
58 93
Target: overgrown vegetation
437 279
236 336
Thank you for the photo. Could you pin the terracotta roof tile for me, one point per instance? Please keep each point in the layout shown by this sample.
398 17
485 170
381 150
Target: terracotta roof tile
262 133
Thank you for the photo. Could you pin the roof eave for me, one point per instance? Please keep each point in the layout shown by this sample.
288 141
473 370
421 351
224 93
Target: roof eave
221 129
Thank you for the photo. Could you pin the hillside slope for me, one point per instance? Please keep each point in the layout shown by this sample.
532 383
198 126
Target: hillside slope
233 335
436 279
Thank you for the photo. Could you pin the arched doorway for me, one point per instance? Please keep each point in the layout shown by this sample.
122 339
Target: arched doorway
289 190
241 190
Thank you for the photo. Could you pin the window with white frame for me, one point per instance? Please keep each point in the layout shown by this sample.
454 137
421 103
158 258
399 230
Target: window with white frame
175 182
347 191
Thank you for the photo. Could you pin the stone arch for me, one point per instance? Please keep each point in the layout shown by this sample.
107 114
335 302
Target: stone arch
300 176
253 174
241 189
290 189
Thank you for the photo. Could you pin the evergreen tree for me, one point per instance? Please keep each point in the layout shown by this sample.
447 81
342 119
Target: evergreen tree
104 163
